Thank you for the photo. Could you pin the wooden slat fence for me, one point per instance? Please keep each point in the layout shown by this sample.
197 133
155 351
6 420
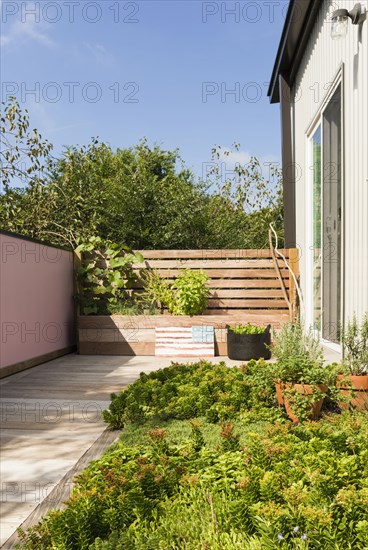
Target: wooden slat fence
242 281
244 288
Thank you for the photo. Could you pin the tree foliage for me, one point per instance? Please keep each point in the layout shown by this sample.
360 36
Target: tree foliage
143 196
23 153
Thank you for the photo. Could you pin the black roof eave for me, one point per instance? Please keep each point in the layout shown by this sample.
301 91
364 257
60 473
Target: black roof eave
299 22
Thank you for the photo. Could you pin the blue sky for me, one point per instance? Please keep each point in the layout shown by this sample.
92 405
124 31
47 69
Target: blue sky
160 69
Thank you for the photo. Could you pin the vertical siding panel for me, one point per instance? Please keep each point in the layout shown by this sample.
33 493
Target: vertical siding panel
320 63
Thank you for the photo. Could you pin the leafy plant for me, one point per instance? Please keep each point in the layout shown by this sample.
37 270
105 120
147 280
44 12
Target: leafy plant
299 356
247 329
300 362
106 275
187 295
156 291
354 339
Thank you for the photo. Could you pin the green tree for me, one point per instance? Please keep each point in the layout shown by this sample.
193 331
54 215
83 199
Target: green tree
244 203
142 196
153 200
24 160
24 155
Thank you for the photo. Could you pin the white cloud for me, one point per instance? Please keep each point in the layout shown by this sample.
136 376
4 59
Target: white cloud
29 30
233 158
99 54
41 116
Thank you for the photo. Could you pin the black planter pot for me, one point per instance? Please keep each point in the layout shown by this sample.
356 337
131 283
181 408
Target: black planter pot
243 347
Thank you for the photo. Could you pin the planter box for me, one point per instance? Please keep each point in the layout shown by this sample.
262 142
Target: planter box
135 335
243 347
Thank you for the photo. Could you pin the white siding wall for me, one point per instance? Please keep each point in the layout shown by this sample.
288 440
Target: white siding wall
320 64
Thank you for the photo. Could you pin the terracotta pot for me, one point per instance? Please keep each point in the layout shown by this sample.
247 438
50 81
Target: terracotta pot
280 398
355 388
305 389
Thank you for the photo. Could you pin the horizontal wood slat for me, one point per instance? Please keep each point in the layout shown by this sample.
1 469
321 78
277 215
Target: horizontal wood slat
247 293
134 335
117 335
117 348
128 322
275 317
243 304
229 273
209 264
121 348
237 283
209 254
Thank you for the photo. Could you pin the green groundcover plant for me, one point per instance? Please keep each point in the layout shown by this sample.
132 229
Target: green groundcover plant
186 391
250 482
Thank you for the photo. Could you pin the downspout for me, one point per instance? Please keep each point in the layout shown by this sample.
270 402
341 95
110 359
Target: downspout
288 165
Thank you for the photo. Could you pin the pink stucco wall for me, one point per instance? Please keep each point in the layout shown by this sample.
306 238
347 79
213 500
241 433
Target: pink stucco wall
36 299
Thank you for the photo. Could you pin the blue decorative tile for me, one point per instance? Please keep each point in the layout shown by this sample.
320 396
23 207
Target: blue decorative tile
203 334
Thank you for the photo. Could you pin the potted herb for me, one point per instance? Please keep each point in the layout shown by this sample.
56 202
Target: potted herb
352 380
245 342
301 379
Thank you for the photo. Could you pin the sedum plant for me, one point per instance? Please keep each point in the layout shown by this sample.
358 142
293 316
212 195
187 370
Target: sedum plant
247 329
204 487
187 391
354 339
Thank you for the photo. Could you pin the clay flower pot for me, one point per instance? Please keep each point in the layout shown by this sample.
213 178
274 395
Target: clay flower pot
305 389
356 389
280 398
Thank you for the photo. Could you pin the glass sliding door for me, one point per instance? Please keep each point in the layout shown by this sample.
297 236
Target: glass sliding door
325 222
331 227
316 228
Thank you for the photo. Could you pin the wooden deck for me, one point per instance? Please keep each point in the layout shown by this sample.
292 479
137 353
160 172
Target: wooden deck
51 428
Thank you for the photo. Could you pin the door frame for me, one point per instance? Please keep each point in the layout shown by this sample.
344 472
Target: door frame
313 126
